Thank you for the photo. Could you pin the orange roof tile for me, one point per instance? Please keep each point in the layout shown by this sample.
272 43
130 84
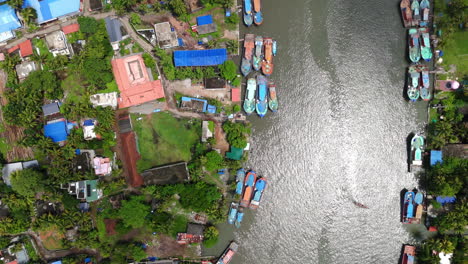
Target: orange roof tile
25 48
134 83
235 95
71 28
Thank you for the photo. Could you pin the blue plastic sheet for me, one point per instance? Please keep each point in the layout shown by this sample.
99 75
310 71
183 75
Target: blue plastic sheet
208 57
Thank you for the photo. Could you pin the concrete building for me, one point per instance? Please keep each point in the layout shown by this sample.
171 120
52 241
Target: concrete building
58 44
9 168
165 37
25 68
104 100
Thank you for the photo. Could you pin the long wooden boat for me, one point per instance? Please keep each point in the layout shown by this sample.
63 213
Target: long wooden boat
249 101
406 14
227 255
272 100
414 45
250 180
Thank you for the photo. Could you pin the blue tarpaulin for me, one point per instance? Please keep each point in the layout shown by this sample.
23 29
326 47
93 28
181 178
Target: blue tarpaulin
211 109
56 131
445 199
208 57
204 20
52 9
436 157
8 19
181 42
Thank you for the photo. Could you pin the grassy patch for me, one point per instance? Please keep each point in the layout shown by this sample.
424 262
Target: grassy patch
456 52
52 238
179 225
163 139
110 87
73 87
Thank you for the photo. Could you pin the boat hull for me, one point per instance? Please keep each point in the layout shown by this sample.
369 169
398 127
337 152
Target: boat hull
257 63
248 19
258 18
246 67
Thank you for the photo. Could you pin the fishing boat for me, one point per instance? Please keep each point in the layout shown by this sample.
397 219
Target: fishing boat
260 186
246 67
258 18
240 216
233 213
417 147
262 96
240 176
425 88
406 14
426 52
250 179
257 58
257 5
267 64
227 255
249 101
248 17
409 252
413 84
274 48
272 99
408 207
249 45
415 9
414 46
425 10
360 205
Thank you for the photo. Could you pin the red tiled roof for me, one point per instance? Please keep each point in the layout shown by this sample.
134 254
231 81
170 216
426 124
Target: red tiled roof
235 95
25 48
134 83
71 28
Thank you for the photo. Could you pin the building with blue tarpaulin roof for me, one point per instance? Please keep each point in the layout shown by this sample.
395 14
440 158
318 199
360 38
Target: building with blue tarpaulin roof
204 20
8 22
436 157
56 131
211 109
208 57
48 10
193 104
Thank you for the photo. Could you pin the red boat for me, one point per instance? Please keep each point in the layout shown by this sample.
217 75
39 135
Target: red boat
408 254
249 182
267 64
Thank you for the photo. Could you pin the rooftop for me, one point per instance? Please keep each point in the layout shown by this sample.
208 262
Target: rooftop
25 68
235 153
125 125
88 129
57 131
95 5
193 104
50 109
195 229
25 48
215 83
104 99
56 40
11 167
9 21
208 57
208 28
102 166
114 29
71 28
48 10
82 162
165 36
167 174
235 95
134 82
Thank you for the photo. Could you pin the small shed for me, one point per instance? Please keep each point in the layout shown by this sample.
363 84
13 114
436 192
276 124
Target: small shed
205 25
211 109
209 57
167 174
71 28
88 129
215 83
115 31
235 153
235 95
436 157
193 104
195 229
51 109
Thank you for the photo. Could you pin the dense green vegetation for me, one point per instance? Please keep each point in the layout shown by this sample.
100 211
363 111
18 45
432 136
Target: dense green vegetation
236 134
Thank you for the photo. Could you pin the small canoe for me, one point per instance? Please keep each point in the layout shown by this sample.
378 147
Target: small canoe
272 100
414 45
258 18
248 7
233 213
248 19
249 101
262 94
246 67
274 48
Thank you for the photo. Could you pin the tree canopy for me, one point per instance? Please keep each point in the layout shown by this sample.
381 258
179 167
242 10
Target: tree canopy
449 177
236 134
212 161
228 70
133 212
27 182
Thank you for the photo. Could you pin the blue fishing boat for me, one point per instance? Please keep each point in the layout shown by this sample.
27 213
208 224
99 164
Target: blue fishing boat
249 101
260 186
246 67
408 207
418 198
258 18
240 217
262 102
233 213
248 6
274 48
240 176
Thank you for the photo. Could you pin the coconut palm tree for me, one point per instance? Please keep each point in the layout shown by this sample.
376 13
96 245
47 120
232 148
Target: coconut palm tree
29 14
16 4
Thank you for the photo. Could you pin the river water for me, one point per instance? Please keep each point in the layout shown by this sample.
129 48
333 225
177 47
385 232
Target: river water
340 135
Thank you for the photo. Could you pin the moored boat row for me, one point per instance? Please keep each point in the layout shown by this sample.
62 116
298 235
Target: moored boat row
258 54
253 16
418 83
260 95
414 12
250 188
412 207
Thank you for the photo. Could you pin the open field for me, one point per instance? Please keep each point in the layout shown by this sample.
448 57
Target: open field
164 139
456 52
51 238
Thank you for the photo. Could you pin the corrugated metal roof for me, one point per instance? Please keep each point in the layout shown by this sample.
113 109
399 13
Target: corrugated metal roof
50 109
113 29
199 57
